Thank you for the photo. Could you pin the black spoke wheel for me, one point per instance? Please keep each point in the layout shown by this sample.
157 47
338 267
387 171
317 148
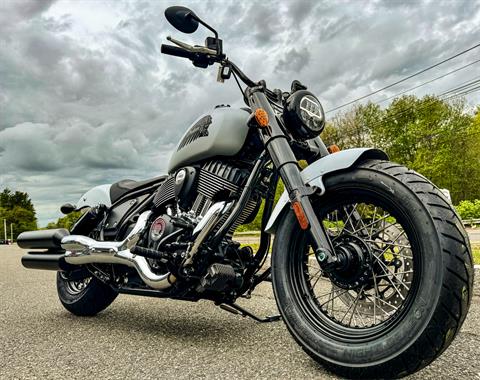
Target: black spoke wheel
404 282
371 289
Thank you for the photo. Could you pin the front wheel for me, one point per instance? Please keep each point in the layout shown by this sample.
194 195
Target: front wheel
404 285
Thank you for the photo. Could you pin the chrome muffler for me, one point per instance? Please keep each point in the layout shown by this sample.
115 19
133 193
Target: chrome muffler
82 250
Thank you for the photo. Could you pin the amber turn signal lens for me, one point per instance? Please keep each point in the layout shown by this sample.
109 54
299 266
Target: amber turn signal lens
302 218
333 148
261 117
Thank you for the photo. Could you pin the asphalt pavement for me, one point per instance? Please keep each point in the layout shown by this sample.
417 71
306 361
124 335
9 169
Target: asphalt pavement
474 235
146 338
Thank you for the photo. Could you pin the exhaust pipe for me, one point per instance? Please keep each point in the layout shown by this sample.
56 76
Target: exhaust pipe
52 258
46 261
81 250
84 250
43 239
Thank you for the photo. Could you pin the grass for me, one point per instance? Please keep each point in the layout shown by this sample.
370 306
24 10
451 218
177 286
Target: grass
476 253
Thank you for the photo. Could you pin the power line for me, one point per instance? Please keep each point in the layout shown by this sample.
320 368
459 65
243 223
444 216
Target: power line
404 79
463 136
469 91
428 82
462 86
464 91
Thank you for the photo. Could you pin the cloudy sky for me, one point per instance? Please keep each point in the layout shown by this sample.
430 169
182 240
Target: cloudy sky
87 98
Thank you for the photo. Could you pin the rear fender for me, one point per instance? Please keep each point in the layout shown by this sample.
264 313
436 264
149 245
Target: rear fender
314 173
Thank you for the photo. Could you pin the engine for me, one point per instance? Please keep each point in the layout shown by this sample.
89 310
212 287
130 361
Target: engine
195 189
181 202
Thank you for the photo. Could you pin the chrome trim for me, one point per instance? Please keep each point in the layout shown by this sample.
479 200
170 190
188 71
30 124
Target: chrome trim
215 209
205 226
84 250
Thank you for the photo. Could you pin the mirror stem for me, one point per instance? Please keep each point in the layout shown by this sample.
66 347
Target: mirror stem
200 21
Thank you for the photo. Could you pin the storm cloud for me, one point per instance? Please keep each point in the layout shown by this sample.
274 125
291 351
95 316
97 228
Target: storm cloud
86 97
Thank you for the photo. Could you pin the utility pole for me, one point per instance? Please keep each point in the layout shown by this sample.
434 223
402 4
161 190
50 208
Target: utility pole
11 232
5 228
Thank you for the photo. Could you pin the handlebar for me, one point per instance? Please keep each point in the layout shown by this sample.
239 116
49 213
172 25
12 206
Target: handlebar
177 51
202 57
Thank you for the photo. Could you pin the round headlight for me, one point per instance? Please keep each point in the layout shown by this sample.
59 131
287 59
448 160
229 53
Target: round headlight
303 115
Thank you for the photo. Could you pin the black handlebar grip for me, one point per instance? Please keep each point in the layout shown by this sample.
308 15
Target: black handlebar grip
177 51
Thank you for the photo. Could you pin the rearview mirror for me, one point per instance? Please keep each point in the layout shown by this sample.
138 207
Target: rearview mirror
182 18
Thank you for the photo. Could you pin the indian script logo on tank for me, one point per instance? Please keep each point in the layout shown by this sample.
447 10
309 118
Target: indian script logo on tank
200 129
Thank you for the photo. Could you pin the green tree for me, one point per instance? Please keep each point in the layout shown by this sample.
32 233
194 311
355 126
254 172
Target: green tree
438 138
354 128
17 208
65 222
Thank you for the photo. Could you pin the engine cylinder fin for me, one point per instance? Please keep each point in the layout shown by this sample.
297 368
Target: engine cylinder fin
198 204
166 192
250 207
210 184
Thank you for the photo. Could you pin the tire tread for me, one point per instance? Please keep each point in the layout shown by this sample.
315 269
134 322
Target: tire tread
452 240
456 287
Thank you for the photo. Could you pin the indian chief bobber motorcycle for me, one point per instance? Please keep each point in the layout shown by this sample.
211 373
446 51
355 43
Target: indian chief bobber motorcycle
371 267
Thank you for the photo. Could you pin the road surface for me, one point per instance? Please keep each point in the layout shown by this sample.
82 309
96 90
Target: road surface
142 338
474 235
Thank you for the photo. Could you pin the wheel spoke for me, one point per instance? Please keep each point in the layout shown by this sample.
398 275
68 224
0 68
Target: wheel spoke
371 229
382 301
319 277
362 231
386 275
349 218
404 246
333 292
393 253
354 303
372 224
386 269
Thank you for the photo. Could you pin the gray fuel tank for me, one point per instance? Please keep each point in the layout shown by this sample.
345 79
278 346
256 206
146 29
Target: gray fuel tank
220 133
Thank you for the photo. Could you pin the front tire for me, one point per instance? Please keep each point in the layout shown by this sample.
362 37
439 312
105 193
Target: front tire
85 297
419 324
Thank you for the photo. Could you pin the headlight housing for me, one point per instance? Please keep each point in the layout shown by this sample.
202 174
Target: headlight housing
303 115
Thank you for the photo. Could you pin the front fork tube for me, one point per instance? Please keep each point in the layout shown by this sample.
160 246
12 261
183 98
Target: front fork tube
285 161
299 195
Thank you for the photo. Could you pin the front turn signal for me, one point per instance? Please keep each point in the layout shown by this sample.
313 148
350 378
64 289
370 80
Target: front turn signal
333 149
300 214
261 116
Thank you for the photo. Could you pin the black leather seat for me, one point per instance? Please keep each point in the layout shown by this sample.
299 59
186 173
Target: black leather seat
120 188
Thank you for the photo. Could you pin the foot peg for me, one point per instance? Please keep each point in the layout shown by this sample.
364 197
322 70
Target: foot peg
236 309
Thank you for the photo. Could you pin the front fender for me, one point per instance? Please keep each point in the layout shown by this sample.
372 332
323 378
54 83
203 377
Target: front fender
313 175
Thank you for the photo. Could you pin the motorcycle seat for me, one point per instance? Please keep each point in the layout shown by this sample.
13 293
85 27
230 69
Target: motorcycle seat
120 188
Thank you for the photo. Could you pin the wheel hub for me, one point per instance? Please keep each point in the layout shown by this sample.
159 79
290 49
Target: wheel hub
354 262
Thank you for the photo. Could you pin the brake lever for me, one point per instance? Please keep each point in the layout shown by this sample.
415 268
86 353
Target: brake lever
180 43
190 48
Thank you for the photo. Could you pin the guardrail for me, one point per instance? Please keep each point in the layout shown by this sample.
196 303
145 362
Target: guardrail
471 222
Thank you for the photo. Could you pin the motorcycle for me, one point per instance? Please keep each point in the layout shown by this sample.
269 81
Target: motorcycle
370 265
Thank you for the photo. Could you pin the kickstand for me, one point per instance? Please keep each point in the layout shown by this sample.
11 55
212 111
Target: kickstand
236 309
